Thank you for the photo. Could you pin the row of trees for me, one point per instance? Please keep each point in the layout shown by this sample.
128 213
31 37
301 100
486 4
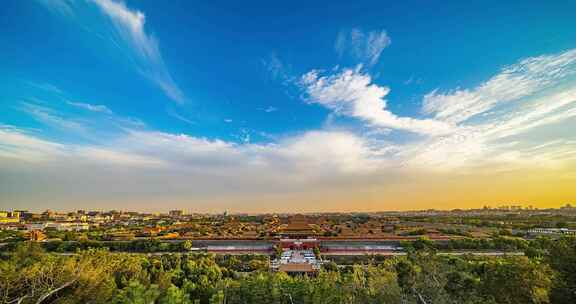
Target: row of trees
503 243
547 274
500 243
143 246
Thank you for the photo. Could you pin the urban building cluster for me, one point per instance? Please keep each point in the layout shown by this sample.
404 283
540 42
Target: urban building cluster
297 241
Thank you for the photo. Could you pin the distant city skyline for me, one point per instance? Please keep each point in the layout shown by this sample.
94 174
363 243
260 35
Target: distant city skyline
286 107
176 212
10 212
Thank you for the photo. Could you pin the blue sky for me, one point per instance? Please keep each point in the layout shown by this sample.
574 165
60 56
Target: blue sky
233 95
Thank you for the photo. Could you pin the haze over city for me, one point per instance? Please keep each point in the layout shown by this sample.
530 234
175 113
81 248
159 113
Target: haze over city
286 106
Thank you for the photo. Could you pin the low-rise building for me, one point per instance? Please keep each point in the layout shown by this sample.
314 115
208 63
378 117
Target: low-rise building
65 226
552 231
176 213
296 262
7 217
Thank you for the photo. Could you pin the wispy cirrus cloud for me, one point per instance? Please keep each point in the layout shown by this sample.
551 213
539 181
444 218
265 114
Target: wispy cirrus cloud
47 87
278 70
91 107
93 123
503 119
506 138
363 46
50 117
174 113
516 82
130 25
64 7
274 66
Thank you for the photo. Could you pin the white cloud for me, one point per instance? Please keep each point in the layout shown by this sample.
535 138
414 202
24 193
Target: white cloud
352 93
314 153
107 156
16 144
326 151
143 165
270 109
489 126
363 46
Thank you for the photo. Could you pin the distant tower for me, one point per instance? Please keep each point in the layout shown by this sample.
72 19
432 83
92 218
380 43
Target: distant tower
176 213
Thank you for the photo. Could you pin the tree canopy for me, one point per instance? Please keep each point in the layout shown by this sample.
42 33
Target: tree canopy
29 274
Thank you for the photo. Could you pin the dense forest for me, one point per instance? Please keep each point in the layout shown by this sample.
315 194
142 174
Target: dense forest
29 274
